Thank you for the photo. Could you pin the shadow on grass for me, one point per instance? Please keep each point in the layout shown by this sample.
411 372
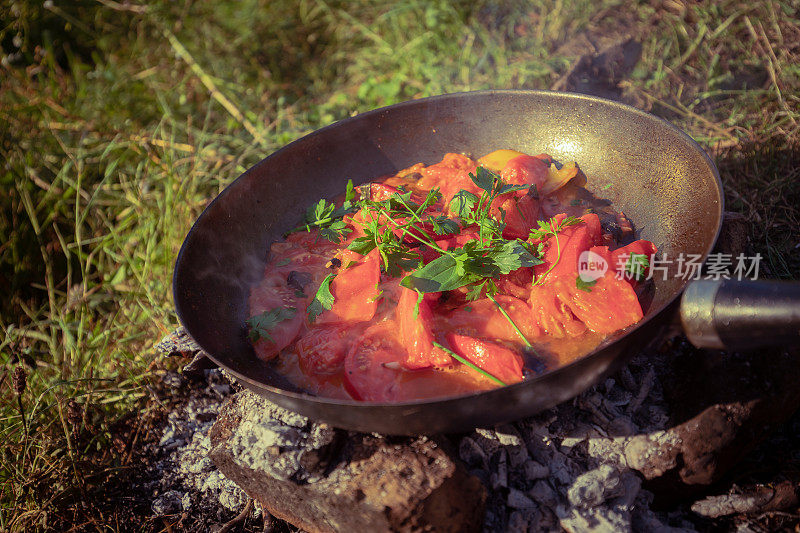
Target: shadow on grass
761 182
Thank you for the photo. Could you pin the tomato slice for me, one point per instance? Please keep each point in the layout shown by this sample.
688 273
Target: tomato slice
516 283
416 332
563 253
521 214
552 314
270 294
378 192
610 304
501 362
618 259
450 175
354 289
526 170
366 376
322 349
482 318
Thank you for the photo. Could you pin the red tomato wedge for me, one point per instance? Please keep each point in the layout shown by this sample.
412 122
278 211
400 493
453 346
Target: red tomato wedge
354 289
609 305
553 315
526 170
365 375
416 332
521 214
450 175
273 293
619 258
322 349
562 253
378 192
504 364
482 318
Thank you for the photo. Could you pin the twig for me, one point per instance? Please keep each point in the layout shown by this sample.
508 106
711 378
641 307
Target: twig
238 518
116 6
212 87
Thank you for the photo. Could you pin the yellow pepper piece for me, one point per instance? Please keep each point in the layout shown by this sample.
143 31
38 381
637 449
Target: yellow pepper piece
558 178
495 161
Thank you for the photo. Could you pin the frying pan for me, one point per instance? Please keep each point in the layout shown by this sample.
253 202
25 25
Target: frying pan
652 171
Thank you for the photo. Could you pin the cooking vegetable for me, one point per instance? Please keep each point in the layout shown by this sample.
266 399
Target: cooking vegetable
443 280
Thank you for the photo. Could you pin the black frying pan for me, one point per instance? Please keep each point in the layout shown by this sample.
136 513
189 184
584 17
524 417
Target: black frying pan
658 176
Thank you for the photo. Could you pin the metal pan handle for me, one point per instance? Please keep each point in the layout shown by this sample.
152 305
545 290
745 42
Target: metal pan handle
738 315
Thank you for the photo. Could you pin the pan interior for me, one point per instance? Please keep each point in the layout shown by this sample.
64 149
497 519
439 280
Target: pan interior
654 173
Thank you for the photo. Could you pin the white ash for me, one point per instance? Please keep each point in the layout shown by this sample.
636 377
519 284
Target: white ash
570 468
185 476
280 436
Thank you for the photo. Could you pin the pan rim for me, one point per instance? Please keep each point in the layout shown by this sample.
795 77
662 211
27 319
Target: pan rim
443 400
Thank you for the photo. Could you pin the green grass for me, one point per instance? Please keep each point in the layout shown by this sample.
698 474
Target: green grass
119 122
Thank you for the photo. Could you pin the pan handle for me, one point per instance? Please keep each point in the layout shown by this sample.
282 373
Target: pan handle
738 315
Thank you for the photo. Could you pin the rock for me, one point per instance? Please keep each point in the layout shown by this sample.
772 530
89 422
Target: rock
758 499
168 503
715 422
544 494
518 500
595 487
534 470
320 479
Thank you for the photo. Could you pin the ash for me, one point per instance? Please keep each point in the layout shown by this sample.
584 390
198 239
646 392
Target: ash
568 468
184 481
287 440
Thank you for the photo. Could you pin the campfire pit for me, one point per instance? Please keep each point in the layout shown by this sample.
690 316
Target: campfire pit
640 451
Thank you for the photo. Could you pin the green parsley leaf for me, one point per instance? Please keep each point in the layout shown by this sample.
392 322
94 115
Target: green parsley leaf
349 193
475 292
260 325
362 245
323 299
420 296
636 265
484 179
512 255
443 225
335 232
439 275
584 285
551 227
504 188
463 203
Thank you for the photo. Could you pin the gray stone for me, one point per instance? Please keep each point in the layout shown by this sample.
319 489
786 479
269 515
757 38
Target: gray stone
319 479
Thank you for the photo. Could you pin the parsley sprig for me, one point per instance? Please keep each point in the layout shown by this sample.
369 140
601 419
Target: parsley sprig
399 225
328 217
261 324
477 262
323 299
637 265
548 229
